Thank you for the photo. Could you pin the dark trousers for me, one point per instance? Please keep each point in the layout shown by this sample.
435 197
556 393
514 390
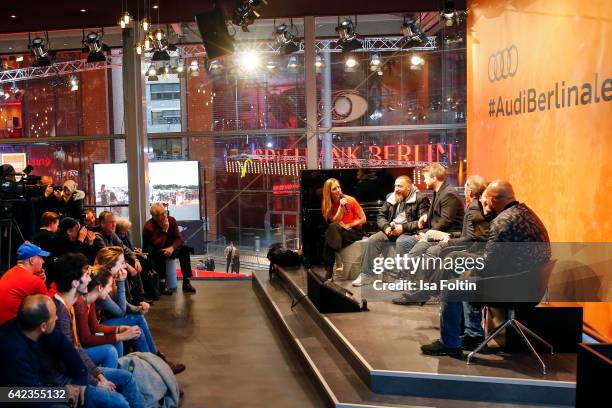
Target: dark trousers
228 263
182 254
337 238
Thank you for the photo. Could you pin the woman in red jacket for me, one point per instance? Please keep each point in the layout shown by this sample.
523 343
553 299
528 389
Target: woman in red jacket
345 217
96 338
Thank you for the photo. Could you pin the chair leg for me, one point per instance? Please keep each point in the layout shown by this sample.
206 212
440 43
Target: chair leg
487 340
535 336
526 340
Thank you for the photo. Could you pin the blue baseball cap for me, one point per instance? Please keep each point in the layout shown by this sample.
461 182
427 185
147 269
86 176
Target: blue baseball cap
28 250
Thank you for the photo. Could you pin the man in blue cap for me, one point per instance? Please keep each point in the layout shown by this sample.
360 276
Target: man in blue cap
24 279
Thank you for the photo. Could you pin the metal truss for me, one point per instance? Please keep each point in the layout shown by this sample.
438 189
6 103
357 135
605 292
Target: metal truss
378 44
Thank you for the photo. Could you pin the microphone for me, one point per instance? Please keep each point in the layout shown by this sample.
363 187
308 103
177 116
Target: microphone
341 197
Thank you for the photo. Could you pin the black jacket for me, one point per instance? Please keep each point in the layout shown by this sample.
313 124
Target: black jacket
475 230
416 206
446 211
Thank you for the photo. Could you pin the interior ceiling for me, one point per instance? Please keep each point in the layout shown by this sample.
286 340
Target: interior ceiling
39 15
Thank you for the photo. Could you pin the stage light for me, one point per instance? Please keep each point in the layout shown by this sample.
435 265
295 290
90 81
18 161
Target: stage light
350 63
292 64
248 60
319 62
19 58
74 83
348 37
416 62
159 34
147 43
16 91
145 24
139 48
215 67
245 14
194 68
285 39
41 54
93 43
413 37
180 68
271 65
151 72
450 15
375 62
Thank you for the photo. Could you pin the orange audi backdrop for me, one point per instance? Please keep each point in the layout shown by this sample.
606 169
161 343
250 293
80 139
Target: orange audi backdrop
540 113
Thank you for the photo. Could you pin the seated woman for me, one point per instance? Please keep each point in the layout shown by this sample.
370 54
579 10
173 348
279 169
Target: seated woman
116 308
71 201
345 217
94 336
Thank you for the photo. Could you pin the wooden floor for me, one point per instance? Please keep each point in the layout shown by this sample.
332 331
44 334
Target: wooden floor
234 355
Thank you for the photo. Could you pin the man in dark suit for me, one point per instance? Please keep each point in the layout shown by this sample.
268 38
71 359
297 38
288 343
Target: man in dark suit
446 210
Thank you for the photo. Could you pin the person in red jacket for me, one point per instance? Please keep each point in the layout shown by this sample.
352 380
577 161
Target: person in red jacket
24 279
162 240
97 338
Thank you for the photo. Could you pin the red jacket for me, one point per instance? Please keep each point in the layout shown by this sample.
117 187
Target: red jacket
154 238
15 285
88 325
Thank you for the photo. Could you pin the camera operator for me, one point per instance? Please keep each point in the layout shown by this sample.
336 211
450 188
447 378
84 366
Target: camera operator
69 202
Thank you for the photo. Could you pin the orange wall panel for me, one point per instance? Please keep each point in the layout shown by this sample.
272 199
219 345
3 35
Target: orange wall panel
523 56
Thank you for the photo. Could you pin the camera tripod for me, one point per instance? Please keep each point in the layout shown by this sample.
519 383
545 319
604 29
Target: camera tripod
6 235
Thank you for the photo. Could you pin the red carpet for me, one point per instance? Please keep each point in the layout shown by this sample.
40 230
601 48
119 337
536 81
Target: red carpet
199 274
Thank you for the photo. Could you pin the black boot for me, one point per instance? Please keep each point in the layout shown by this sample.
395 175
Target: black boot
187 287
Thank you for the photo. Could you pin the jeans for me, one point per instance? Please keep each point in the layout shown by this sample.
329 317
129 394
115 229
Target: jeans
127 394
472 317
104 355
145 342
450 324
379 244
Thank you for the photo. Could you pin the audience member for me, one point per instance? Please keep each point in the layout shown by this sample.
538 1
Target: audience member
22 340
162 240
91 220
72 238
397 219
24 279
116 308
135 290
98 338
108 387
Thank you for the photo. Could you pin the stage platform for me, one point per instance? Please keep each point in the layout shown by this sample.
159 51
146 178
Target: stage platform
382 348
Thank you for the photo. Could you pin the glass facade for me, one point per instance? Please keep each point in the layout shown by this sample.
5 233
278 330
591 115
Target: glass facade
244 120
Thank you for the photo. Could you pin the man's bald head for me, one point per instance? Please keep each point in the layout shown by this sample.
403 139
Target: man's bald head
36 312
500 193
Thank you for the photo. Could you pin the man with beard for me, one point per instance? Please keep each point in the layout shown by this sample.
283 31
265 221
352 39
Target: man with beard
398 222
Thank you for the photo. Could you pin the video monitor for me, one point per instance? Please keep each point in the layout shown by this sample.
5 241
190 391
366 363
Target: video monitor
176 183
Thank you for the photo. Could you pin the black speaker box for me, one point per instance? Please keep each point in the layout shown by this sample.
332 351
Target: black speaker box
560 326
329 297
215 36
593 376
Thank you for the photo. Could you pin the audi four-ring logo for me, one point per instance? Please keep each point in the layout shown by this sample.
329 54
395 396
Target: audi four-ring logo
503 64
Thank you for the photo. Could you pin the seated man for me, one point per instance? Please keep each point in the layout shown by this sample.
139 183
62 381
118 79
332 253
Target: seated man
90 220
162 240
446 211
397 220
22 339
514 222
24 279
106 386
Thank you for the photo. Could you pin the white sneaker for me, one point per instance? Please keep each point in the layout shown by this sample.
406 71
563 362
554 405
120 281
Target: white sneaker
361 281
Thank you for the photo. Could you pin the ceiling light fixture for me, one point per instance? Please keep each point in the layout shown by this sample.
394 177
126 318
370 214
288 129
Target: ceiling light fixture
348 37
42 55
416 62
286 39
246 13
93 44
73 83
413 36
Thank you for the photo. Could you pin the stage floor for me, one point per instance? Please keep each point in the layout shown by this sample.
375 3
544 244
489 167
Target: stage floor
389 337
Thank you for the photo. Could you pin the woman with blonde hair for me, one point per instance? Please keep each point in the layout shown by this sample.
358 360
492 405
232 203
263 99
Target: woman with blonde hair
345 217
118 310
